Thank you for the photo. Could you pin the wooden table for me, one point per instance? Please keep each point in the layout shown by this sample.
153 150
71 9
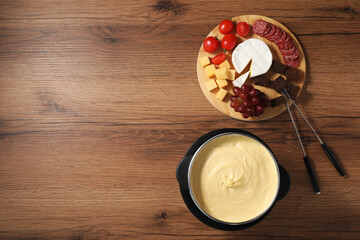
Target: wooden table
99 100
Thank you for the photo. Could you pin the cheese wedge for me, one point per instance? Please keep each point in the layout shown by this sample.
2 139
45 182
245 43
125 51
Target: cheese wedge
221 94
241 80
253 50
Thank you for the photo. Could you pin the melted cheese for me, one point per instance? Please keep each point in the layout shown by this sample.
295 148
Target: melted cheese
234 178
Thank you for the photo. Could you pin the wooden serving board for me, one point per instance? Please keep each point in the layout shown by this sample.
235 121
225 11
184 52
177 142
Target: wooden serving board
224 106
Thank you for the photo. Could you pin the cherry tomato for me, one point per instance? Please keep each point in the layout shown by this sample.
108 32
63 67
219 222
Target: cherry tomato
226 26
210 44
229 41
218 59
242 28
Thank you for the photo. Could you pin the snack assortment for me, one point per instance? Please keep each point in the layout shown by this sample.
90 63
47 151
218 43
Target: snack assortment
241 53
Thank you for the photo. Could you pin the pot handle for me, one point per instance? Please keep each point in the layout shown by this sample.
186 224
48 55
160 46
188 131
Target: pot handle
182 172
284 183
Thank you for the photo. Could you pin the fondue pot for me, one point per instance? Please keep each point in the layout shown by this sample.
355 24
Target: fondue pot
183 176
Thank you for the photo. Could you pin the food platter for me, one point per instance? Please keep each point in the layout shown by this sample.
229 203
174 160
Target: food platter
224 105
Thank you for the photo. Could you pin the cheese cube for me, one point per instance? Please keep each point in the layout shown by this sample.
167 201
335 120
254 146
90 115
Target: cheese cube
222 73
211 84
225 64
221 83
221 94
204 61
210 70
231 74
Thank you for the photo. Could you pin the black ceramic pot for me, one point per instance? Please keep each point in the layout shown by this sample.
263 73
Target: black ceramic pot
182 175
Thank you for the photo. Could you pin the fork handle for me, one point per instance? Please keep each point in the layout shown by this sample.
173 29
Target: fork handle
333 159
312 175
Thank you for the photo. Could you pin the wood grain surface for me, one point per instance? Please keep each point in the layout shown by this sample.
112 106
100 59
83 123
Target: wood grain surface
99 100
224 106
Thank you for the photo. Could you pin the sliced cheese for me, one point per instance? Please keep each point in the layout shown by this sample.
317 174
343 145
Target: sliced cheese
221 94
253 50
221 83
211 84
204 61
241 80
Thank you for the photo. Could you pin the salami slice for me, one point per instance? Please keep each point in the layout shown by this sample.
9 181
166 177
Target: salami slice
286 45
272 31
280 39
259 27
292 56
271 38
267 30
290 51
288 38
295 54
277 34
293 63
283 37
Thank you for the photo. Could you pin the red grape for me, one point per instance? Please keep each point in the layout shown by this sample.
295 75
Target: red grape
255 101
260 109
244 88
261 96
247 103
257 114
242 108
234 104
234 97
236 90
243 95
250 110
253 92
245 115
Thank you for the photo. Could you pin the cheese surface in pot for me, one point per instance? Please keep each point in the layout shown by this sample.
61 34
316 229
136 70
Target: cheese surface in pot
234 178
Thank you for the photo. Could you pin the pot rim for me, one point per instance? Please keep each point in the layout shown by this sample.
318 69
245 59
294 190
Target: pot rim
254 137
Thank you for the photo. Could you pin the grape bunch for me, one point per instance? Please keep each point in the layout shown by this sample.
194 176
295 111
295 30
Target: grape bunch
248 101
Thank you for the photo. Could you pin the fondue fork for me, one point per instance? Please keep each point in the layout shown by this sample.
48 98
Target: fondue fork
306 158
323 145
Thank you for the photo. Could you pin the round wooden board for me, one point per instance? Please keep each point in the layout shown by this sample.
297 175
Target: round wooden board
224 106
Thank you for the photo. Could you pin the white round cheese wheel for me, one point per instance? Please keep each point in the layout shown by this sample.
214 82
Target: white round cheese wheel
253 50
